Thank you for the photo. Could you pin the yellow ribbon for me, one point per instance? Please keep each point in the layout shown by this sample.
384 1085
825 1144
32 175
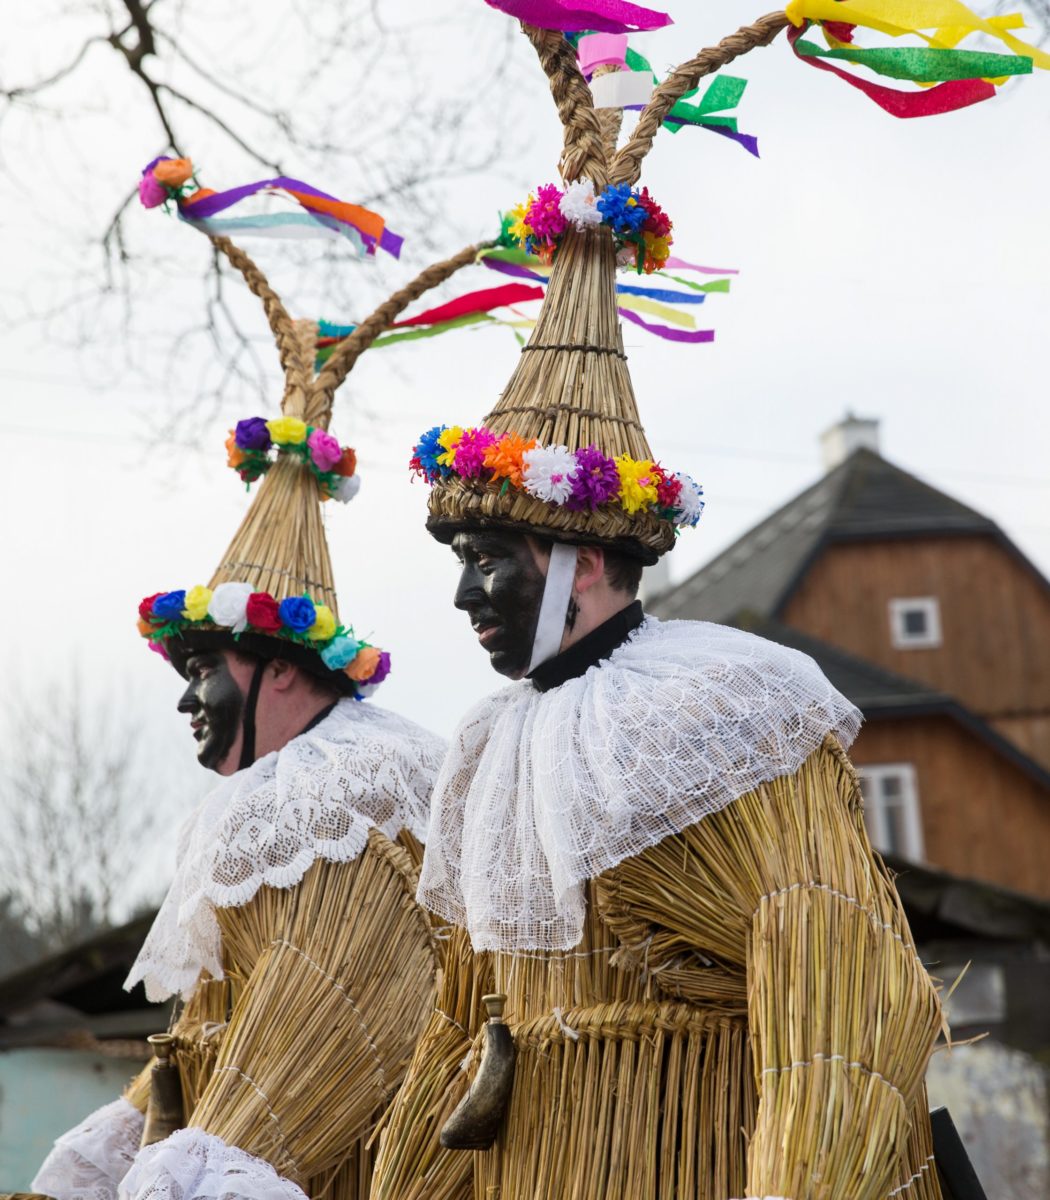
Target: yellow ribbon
655 308
950 19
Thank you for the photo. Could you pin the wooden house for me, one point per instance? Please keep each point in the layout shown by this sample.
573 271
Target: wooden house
925 614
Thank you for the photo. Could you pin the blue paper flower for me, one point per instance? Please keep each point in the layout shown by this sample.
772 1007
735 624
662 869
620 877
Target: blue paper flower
425 456
169 606
620 209
297 613
340 652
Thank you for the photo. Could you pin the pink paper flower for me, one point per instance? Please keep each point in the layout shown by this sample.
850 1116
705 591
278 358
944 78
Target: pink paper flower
152 193
325 451
544 215
470 452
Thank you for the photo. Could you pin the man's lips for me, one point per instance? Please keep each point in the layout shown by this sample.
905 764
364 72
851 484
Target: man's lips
199 727
487 630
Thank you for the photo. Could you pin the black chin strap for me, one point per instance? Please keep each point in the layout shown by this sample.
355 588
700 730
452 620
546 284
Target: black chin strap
248 744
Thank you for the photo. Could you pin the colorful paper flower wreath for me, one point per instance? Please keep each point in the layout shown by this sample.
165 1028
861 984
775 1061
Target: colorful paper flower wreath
640 227
240 609
581 480
250 445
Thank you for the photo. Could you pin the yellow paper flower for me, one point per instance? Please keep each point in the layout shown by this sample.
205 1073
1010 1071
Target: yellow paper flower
637 482
197 600
519 228
323 627
450 439
287 430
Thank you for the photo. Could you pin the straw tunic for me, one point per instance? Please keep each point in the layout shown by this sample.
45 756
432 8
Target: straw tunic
311 983
743 1013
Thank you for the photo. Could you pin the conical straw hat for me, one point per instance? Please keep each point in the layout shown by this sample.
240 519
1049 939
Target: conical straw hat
274 590
571 389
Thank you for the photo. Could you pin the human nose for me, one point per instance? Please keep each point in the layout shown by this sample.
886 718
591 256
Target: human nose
469 590
188 701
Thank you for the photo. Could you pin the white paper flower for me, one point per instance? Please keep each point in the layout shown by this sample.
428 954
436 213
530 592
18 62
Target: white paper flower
364 690
547 471
228 606
578 204
690 501
347 488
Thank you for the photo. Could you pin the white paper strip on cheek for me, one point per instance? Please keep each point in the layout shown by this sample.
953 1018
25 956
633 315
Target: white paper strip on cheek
620 89
550 628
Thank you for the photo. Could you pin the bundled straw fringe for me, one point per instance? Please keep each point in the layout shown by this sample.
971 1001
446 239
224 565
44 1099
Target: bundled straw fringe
343 967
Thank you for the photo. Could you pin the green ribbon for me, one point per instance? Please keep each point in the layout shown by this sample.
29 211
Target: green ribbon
924 64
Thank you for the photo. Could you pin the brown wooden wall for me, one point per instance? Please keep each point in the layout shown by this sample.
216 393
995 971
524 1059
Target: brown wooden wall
982 817
995 622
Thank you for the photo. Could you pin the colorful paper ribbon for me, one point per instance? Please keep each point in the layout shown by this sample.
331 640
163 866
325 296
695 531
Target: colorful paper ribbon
605 16
322 215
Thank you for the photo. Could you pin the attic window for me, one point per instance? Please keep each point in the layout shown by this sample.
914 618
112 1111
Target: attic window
891 809
915 623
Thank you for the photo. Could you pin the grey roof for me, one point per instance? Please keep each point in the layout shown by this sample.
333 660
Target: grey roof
864 497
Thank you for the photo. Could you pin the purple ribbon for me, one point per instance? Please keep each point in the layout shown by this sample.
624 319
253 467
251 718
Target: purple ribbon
669 334
600 16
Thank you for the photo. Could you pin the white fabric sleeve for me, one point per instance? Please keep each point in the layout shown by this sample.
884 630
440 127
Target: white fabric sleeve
89 1161
194 1165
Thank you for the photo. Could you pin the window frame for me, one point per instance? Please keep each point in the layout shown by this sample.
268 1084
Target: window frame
871 776
903 640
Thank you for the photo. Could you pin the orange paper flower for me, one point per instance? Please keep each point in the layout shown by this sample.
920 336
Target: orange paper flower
234 454
173 172
503 458
364 664
145 628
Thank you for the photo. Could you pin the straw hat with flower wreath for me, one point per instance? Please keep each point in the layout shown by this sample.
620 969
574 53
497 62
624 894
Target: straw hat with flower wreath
273 593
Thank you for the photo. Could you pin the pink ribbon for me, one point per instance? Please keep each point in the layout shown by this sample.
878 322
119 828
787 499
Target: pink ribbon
604 16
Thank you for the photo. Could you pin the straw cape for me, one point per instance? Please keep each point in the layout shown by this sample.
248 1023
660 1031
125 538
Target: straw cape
660 861
290 933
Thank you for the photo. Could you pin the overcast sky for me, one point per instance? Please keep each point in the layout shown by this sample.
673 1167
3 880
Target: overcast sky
895 268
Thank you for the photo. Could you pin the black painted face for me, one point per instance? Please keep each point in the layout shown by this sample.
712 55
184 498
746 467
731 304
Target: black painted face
215 703
500 589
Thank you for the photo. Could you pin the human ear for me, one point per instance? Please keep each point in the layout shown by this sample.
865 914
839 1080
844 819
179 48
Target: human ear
590 567
282 673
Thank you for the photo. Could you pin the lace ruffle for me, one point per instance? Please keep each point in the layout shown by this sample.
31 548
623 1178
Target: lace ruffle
543 791
89 1161
194 1165
360 768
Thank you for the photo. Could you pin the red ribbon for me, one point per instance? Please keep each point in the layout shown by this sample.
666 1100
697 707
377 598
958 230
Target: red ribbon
945 97
475 302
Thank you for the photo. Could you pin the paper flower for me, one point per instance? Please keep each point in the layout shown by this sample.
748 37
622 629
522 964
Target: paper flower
197 600
547 473
365 690
347 488
690 501
172 172
324 625
325 451
168 606
252 434
288 431
297 613
657 222
382 669
668 488
595 480
620 209
448 440
262 614
470 451
152 193
347 463
518 226
364 664
504 457
146 605
637 482
144 627
544 216
425 455
229 602
234 454
579 204
340 653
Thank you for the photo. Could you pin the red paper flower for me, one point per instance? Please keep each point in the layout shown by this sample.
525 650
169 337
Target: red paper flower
261 612
668 488
347 465
146 606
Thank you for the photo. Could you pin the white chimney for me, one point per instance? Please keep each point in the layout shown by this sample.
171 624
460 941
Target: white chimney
849 434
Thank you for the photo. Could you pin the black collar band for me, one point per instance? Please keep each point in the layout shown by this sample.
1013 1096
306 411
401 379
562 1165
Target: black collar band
589 650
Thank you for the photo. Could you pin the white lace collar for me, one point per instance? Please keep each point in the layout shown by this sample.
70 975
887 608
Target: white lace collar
542 791
362 767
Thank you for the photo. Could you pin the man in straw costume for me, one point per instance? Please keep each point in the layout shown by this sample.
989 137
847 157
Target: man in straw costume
699 978
291 929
